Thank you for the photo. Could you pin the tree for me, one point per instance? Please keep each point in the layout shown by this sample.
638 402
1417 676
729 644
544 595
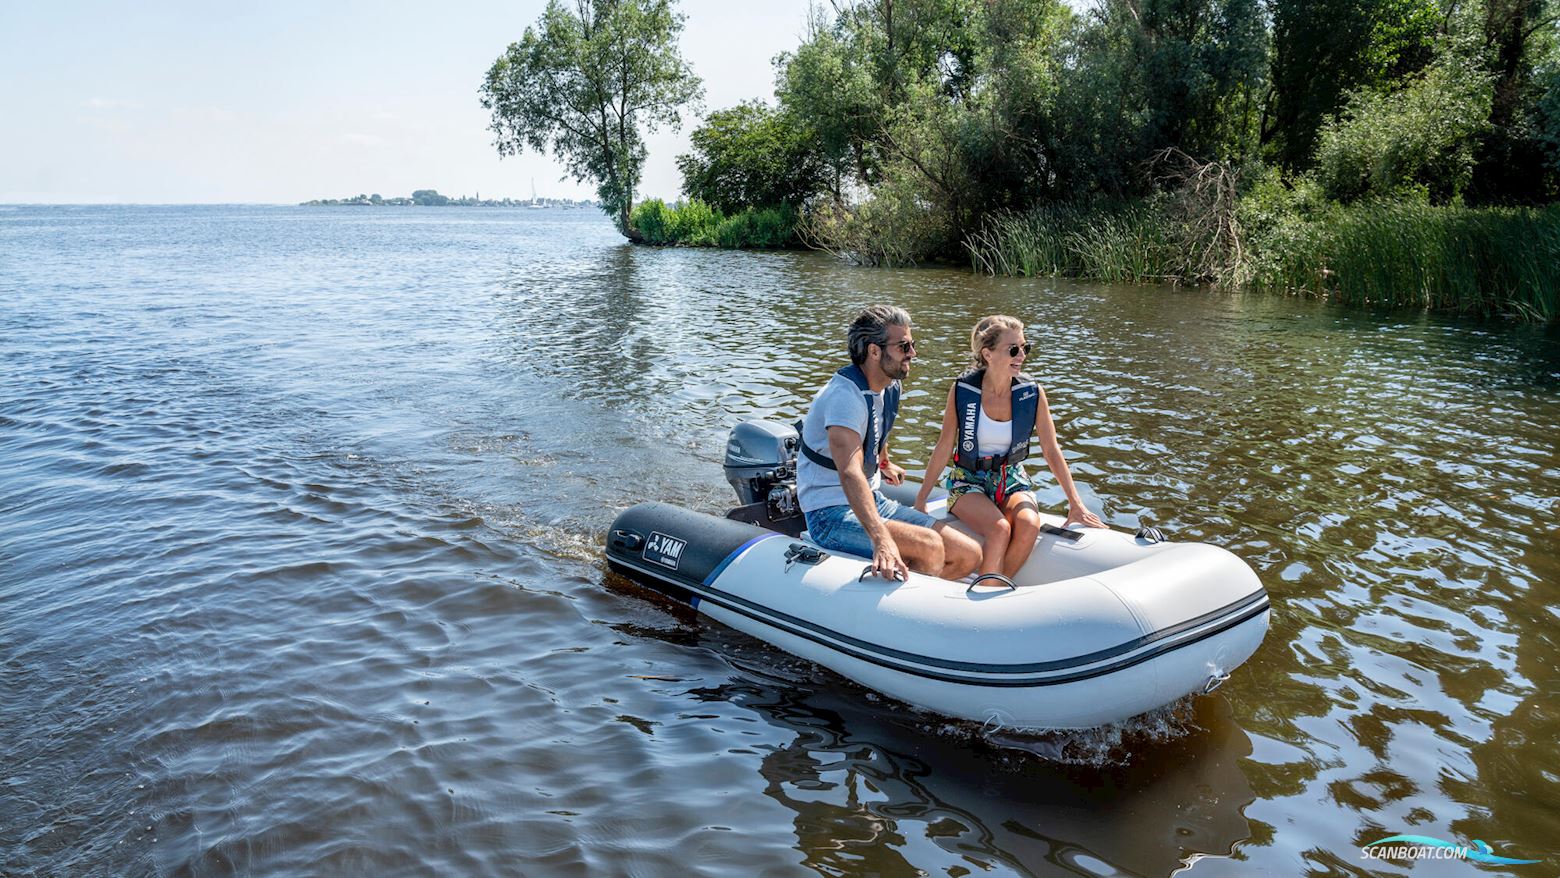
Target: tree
1420 136
1325 49
751 155
828 84
1511 160
583 82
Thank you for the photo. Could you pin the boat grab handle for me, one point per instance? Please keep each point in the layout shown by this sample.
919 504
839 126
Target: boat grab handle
1062 532
998 578
626 540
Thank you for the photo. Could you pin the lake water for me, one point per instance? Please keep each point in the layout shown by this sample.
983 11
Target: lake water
300 568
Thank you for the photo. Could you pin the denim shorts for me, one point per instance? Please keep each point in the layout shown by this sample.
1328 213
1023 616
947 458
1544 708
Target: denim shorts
837 528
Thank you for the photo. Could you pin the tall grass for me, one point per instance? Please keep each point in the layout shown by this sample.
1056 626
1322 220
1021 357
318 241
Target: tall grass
696 224
1485 261
1124 242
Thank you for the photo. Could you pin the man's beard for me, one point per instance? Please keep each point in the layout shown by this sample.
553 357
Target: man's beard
888 366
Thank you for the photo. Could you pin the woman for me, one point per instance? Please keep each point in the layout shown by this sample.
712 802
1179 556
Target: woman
993 411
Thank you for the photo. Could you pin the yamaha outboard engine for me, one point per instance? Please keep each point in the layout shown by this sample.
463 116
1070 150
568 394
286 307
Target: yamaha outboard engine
761 467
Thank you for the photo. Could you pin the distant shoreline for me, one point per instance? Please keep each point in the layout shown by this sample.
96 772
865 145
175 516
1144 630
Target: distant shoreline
432 198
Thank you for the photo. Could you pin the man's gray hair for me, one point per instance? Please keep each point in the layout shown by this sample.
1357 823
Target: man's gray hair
871 327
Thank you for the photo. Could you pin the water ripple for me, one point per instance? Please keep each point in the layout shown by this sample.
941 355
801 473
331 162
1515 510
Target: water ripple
300 527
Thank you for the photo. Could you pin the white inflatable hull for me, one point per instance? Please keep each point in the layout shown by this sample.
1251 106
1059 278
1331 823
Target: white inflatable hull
1112 627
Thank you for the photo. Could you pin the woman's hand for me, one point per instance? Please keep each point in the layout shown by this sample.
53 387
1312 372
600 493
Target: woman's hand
920 499
1081 514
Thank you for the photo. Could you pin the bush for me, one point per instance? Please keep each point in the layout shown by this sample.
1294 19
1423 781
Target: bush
1418 139
893 227
696 224
653 219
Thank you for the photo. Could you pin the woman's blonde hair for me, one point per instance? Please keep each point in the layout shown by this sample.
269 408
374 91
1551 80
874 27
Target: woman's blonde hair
987 331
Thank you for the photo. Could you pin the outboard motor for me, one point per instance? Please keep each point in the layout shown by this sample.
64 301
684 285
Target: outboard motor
761 467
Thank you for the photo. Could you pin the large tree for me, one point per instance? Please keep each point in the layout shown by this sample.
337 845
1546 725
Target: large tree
583 81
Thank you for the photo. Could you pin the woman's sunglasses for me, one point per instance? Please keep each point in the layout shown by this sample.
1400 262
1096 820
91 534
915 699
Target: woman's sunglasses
1026 347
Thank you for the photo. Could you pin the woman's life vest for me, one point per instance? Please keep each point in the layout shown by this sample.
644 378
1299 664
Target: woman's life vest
966 408
871 445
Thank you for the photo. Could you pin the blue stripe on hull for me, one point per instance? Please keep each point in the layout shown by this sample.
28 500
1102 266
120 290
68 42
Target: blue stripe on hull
721 567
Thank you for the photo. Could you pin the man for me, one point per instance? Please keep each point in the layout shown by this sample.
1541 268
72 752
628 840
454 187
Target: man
845 458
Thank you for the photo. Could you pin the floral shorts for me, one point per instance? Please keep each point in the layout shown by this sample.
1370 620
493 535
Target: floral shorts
960 481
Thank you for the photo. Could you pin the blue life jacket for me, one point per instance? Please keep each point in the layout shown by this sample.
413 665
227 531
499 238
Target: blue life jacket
871 446
966 407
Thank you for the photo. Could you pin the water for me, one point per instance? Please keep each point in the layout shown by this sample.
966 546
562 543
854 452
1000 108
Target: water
300 517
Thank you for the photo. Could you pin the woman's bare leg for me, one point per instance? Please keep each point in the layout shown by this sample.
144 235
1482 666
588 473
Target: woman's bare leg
1023 517
976 510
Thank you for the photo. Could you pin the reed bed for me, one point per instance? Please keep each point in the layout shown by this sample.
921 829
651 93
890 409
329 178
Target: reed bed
1123 242
1483 261
1502 261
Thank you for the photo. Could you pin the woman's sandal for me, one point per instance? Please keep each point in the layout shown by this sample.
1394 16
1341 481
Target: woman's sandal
997 578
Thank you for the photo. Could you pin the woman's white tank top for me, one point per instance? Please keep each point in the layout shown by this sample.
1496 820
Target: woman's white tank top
992 436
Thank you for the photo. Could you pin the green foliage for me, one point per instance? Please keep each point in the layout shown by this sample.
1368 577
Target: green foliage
1118 241
429 197
583 81
751 155
1127 142
1420 137
1405 254
1485 261
1547 117
696 224
1325 49
653 219
893 227
828 86
1518 41
1203 64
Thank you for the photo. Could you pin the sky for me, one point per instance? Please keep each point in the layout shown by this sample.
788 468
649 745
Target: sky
282 102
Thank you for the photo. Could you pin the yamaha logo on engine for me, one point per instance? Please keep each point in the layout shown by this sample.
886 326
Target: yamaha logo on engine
664 550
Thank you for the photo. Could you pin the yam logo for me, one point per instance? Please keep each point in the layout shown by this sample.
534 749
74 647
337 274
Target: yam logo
664 550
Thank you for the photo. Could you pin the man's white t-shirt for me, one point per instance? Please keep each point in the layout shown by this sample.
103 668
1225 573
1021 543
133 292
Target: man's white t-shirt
839 404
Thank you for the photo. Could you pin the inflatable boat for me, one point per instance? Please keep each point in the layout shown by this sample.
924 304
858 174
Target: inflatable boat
1103 625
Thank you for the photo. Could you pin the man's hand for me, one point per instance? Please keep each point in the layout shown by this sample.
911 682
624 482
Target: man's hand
886 562
893 473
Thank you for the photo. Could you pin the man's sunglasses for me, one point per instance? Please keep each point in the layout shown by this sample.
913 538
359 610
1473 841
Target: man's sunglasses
1026 347
905 346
